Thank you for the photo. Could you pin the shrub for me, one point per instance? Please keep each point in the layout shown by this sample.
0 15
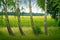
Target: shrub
38 30
58 23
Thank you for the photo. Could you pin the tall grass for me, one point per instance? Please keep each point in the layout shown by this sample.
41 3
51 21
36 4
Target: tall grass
25 21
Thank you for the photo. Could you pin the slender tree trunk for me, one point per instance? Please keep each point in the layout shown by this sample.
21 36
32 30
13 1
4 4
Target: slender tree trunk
31 18
19 24
6 16
45 19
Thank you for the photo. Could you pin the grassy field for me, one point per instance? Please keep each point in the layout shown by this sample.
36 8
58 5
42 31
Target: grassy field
25 21
54 34
53 30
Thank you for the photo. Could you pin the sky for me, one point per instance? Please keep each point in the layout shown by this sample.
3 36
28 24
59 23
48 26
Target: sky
25 5
35 8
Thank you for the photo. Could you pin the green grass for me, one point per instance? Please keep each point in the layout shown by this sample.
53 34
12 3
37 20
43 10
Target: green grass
54 34
25 21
